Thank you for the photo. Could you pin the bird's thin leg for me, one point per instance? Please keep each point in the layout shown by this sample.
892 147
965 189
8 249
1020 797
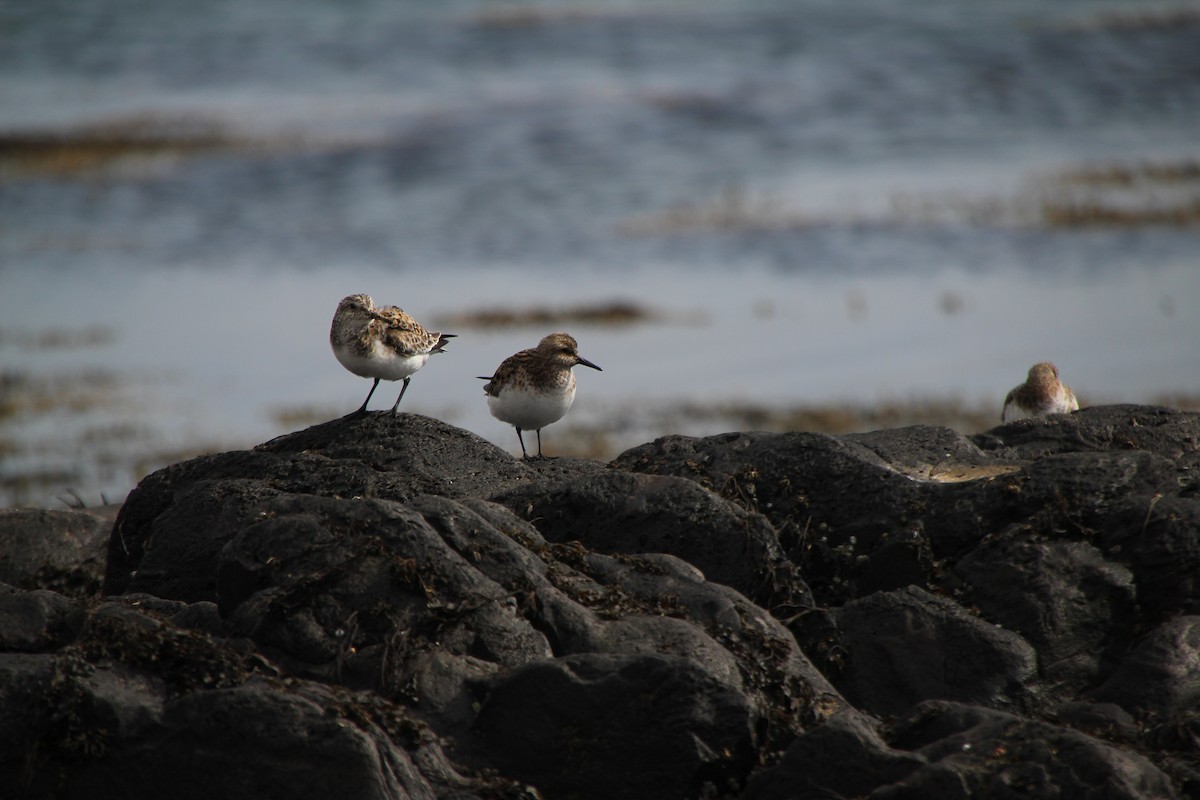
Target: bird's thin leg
363 409
521 439
398 399
539 433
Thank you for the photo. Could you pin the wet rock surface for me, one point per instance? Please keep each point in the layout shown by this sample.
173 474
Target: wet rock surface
391 607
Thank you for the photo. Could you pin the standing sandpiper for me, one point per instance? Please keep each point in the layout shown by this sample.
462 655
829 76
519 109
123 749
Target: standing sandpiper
381 343
1042 393
535 387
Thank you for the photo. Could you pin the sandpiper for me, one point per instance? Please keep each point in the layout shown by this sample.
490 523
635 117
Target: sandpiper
535 387
381 343
1042 393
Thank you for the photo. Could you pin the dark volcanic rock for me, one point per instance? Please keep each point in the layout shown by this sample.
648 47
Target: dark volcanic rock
376 455
390 607
364 591
1161 677
327 562
878 511
59 550
923 450
565 724
1102 720
413 455
1167 432
133 707
327 585
951 750
908 645
979 752
830 499
37 621
620 512
1076 608
845 757
1073 531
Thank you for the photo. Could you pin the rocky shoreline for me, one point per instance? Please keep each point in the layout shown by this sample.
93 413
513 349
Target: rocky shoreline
381 607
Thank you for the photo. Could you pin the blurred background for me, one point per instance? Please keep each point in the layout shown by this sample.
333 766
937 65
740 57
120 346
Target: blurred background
758 214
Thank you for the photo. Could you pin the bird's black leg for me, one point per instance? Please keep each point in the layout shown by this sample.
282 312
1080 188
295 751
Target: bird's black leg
398 399
363 409
521 439
539 433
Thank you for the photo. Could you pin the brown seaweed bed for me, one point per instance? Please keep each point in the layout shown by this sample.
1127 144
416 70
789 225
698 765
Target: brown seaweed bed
1105 195
1110 194
608 313
88 149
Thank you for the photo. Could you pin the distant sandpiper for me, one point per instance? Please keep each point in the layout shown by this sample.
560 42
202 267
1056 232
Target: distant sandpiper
381 343
1042 393
535 387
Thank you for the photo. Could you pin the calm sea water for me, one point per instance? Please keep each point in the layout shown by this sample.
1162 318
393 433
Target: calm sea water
825 200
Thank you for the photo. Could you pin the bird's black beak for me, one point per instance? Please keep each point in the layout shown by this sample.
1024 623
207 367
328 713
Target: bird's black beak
583 362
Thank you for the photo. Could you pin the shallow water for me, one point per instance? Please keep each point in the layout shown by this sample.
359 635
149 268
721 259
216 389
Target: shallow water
828 201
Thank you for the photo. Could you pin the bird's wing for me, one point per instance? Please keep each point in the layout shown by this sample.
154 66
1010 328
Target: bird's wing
404 334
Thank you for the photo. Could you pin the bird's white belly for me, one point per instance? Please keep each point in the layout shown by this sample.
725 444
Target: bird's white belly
530 410
384 363
1013 412
1064 402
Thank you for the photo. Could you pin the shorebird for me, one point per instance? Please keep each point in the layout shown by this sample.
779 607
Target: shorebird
535 387
381 343
1042 393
